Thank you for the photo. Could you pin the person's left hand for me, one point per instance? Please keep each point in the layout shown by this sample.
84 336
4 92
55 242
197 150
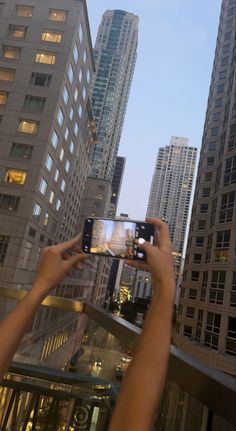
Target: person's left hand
55 263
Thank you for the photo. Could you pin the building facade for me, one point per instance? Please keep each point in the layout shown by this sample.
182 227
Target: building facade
115 55
47 133
116 183
206 323
171 190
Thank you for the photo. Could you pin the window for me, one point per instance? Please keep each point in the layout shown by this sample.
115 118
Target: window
202 224
28 126
71 114
6 74
222 74
65 95
61 155
51 197
206 192
199 241
213 327
203 208
205 279
195 275
75 53
58 204
56 176
63 185
45 58
223 239
9 202
4 242
51 36
21 151
3 98
40 79
37 211
88 76
76 128
187 331
85 56
15 176
49 163
54 139
11 52
70 74
217 287
212 145
233 291
25 11
221 255
18 31
43 186
72 147
230 171
81 33
34 103
210 161
231 337
76 93
67 166
220 88
84 93
214 131
80 75
197 257
60 117
57 15
227 207
224 61
190 312
46 219
80 111
199 325
208 176
66 134
192 293
218 102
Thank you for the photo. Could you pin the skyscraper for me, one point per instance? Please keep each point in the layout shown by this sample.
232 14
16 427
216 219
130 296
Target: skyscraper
47 133
116 183
206 324
171 189
115 56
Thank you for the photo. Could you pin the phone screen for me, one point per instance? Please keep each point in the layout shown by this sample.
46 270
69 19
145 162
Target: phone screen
116 238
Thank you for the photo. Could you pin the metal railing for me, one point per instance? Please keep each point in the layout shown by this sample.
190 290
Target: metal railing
212 388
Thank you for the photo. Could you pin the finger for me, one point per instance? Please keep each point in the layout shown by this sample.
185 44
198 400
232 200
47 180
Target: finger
138 264
67 244
73 260
163 230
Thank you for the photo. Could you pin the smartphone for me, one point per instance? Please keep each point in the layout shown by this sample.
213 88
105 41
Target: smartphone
116 238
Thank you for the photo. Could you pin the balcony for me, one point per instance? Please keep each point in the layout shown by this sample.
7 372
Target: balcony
46 390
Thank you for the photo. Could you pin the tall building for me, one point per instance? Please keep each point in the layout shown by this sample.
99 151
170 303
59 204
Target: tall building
116 183
171 189
47 133
206 324
115 56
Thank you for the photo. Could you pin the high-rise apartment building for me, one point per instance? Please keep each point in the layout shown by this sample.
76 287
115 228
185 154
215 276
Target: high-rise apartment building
171 189
115 56
206 324
47 131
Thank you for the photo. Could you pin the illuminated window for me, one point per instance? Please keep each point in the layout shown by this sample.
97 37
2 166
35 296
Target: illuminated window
18 31
46 219
6 74
43 186
51 197
25 11
4 241
54 139
57 15
45 58
3 97
28 126
11 52
51 36
21 151
37 211
15 176
75 53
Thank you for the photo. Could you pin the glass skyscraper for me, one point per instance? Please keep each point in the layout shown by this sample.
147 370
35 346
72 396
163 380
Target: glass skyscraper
115 56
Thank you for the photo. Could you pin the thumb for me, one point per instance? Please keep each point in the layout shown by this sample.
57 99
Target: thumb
146 246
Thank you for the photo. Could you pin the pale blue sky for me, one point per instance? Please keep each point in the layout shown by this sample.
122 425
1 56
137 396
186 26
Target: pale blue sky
170 87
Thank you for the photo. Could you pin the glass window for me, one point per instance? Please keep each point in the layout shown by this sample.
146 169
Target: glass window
49 162
37 211
223 239
34 103
227 207
54 139
76 128
9 202
67 166
11 52
46 219
45 58
51 36
201 224
61 155
80 111
70 74
43 186
3 97
21 151
84 93
56 176
40 79
190 312
6 74
81 33
80 75
206 192
71 115
60 117
15 176
230 171
18 31
88 76
65 95
75 53
195 275
76 93
25 11
84 56
192 293
203 208
66 135
197 257
4 241
199 241
63 185
51 197
218 103
72 147
57 15
187 331
28 126
58 204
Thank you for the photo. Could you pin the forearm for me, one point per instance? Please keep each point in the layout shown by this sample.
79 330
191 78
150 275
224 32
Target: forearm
144 381
14 325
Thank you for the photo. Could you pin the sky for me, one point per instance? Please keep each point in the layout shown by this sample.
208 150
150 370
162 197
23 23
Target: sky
170 87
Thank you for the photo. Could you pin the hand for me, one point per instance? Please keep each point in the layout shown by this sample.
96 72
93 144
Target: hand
159 257
55 263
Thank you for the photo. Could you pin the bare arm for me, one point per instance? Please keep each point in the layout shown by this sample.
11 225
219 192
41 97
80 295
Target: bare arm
145 378
52 269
